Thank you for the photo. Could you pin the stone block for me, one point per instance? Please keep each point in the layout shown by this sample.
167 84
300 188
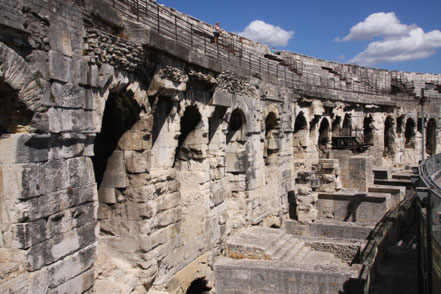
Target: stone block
137 162
221 98
77 285
67 220
115 175
169 216
60 67
168 201
71 266
107 195
22 148
80 172
60 40
135 141
93 76
68 95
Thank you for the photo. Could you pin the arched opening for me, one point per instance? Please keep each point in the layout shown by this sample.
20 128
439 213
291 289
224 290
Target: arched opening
271 143
400 120
120 114
237 161
410 133
292 205
215 121
323 138
368 130
189 121
300 136
347 126
235 126
336 126
15 117
198 286
389 136
431 137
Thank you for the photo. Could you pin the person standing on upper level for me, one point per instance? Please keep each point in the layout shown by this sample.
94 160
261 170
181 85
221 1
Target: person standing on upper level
216 33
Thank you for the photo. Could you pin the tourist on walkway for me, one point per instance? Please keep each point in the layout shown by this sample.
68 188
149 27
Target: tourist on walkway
216 33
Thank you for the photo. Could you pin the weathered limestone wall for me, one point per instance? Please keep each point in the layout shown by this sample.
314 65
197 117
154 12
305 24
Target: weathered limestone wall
127 158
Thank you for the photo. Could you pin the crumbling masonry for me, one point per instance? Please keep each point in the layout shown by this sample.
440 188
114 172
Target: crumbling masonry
131 161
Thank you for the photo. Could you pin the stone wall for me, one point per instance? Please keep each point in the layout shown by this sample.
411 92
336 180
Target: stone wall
116 138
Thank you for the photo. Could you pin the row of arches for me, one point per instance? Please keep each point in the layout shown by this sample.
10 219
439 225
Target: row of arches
346 128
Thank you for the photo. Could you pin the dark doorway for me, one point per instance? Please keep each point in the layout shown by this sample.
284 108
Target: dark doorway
120 114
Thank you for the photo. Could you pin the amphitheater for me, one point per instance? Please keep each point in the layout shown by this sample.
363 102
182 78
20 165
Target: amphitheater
136 156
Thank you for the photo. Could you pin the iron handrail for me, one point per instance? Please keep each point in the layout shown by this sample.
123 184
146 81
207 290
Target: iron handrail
169 24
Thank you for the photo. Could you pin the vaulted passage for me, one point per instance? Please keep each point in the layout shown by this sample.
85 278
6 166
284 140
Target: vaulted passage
271 144
389 136
237 161
368 128
324 138
198 286
300 136
14 116
347 126
188 123
120 114
431 137
410 133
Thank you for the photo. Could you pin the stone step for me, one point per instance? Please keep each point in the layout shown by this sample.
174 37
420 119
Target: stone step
291 250
394 182
300 255
279 247
321 258
401 176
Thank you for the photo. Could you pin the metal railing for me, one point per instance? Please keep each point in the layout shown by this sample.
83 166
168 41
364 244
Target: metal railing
230 49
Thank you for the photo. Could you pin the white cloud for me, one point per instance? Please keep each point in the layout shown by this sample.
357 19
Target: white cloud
263 32
415 45
377 24
399 42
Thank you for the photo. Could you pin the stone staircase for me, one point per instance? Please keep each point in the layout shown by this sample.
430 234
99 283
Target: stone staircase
274 244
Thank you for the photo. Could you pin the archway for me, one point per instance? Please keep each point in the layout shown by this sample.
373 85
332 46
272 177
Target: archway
389 136
271 143
410 133
368 128
120 114
237 161
347 126
15 117
336 126
300 136
185 149
431 137
323 138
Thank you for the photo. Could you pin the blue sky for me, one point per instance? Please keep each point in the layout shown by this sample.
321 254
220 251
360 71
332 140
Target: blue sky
395 35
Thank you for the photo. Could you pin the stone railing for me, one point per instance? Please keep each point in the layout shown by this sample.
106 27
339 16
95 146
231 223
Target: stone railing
197 35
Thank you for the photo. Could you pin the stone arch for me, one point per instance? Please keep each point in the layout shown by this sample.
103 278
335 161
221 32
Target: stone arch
236 126
15 117
400 123
409 133
237 160
271 140
336 126
368 130
347 125
324 137
431 137
300 136
27 89
121 112
186 146
389 136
